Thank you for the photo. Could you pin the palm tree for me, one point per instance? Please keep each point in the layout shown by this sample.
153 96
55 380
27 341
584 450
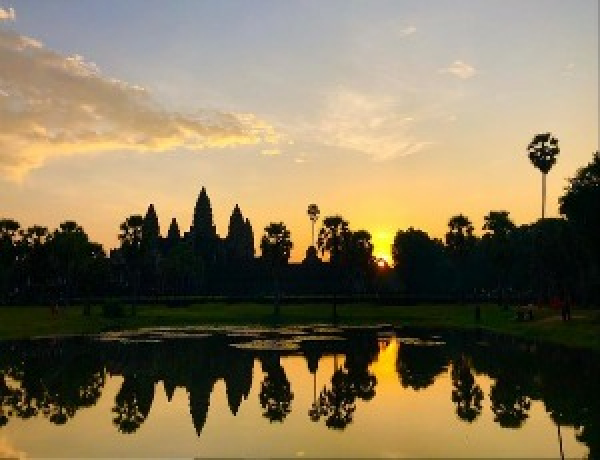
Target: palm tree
333 238
543 150
276 247
313 214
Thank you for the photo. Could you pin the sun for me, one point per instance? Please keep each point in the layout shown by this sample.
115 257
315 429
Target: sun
382 261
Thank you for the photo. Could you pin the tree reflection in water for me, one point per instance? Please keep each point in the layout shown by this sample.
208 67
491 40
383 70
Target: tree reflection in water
466 394
337 403
55 379
275 391
133 403
509 405
418 365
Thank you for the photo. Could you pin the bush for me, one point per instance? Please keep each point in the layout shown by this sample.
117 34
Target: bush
113 309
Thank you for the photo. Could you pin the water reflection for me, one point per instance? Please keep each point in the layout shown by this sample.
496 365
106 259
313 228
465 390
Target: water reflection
466 394
55 379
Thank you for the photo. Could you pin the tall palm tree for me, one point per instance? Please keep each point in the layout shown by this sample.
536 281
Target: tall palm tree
276 247
313 213
543 150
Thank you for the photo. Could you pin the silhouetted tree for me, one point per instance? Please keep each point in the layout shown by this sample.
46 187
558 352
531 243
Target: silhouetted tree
420 263
581 206
35 261
75 259
333 238
131 240
558 258
313 214
542 151
9 252
360 260
276 247
460 242
496 243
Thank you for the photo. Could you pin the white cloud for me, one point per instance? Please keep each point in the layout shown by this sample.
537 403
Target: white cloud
54 105
405 32
460 69
369 124
7 14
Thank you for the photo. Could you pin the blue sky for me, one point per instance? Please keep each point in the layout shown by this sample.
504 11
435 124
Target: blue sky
391 113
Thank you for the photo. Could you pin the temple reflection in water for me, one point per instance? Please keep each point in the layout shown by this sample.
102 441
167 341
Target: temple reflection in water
56 380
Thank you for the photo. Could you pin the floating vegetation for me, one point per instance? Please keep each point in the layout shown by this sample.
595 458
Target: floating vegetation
314 338
268 345
420 342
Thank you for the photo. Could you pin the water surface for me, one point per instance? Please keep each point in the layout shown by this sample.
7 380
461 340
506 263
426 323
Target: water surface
296 392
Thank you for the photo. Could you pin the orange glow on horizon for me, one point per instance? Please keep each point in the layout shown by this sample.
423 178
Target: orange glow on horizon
382 245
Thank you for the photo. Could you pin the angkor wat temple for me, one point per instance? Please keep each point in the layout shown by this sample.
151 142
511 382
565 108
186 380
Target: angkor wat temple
201 262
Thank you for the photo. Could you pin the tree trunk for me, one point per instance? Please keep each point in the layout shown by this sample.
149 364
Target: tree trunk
543 195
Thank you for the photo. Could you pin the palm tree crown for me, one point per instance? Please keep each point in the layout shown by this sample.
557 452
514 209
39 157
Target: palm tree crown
543 150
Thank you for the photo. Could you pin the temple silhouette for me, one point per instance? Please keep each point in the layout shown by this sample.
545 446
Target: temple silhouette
201 262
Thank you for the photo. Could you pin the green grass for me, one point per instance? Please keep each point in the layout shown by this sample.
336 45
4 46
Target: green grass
582 331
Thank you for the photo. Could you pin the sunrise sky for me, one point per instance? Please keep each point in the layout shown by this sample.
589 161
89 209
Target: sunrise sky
390 113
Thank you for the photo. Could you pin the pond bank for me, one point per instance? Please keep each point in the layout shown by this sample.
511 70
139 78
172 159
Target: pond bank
582 331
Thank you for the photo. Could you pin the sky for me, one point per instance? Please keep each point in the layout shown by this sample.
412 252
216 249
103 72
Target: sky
390 113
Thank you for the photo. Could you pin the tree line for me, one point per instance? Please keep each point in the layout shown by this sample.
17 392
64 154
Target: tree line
553 258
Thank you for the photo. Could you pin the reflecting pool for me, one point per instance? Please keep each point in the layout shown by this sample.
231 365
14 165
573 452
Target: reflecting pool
315 391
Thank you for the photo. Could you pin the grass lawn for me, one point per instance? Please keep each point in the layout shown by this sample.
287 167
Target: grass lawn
582 331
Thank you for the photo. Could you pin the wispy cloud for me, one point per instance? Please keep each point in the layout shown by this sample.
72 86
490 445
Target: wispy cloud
406 31
52 104
271 152
460 69
569 69
7 14
369 124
